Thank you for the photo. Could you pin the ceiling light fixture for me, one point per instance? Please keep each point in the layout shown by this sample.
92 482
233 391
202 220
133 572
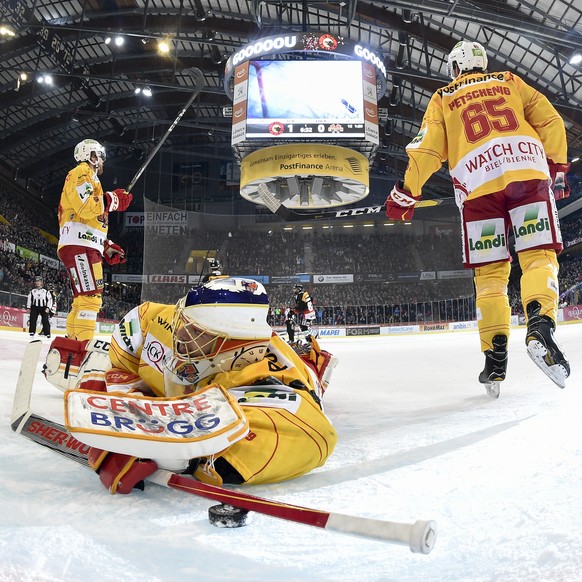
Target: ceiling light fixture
147 91
164 47
576 59
45 79
5 30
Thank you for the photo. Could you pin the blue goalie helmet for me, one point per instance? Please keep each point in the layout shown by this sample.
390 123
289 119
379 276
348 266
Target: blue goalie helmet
231 307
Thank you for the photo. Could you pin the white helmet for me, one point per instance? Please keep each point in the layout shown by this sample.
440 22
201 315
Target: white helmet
219 326
468 56
84 149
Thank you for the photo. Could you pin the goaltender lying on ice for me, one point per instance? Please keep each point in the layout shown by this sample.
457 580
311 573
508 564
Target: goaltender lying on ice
203 387
420 536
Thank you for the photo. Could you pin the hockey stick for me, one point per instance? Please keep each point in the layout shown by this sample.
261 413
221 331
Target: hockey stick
289 215
419 537
198 78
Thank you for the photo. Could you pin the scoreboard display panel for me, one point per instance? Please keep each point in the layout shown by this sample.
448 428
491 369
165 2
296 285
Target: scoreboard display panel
305 99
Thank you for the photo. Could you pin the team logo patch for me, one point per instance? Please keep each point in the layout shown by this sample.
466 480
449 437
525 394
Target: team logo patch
486 241
250 286
187 372
531 226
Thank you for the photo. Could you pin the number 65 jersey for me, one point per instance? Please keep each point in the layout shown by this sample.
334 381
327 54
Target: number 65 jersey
492 128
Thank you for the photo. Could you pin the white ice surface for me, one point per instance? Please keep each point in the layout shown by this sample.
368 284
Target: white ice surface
418 439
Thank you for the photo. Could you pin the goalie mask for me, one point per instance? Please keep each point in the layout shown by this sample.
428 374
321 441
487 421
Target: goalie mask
468 56
220 326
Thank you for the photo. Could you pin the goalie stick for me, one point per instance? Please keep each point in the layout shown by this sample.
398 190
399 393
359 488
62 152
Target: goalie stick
289 215
420 537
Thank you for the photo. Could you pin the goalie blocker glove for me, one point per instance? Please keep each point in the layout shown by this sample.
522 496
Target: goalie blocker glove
117 200
400 203
120 473
113 253
560 185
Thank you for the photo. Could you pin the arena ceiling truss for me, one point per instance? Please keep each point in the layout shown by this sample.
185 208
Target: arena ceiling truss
95 75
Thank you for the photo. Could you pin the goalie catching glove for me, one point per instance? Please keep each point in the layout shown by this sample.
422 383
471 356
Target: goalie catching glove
113 253
400 203
560 185
120 473
117 200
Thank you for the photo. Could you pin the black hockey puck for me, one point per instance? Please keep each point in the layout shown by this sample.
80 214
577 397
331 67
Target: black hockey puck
228 516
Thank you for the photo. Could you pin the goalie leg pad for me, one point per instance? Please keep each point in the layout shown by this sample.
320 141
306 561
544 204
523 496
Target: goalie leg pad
91 375
120 473
329 363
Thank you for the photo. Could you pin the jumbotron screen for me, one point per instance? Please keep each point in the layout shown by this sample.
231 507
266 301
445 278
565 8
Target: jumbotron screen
305 99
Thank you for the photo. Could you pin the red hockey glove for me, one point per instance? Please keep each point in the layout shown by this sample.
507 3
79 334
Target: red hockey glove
560 185
120 473
117 200
113 253
400 203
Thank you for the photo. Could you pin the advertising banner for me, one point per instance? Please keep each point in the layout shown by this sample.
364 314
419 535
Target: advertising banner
353 331
331 332
168 279
12 317
401 329
345 278
572 313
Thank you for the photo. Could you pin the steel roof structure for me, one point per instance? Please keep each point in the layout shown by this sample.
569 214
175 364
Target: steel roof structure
94 79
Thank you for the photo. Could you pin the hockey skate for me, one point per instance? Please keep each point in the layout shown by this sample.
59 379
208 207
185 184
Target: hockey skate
542 347
495 366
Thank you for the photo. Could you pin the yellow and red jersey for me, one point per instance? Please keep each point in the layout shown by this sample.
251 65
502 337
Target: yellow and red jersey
82 217
492 128
289 433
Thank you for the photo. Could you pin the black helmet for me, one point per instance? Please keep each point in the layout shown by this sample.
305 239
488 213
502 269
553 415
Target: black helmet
297 289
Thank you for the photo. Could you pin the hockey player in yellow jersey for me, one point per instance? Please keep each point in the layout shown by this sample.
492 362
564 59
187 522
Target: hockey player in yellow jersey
507 154
217 335
83 244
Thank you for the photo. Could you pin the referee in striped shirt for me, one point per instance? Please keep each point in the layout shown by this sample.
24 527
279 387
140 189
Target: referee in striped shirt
40 302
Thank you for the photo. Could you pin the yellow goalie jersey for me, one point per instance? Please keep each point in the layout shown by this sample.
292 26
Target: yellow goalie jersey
289 433
493 129
82 216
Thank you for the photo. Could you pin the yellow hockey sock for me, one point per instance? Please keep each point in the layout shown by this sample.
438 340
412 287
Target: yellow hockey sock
493 311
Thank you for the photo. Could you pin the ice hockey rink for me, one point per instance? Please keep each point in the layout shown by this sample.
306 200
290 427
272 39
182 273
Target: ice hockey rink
418 439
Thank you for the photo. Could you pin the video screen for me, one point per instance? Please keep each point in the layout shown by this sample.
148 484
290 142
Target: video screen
305 99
